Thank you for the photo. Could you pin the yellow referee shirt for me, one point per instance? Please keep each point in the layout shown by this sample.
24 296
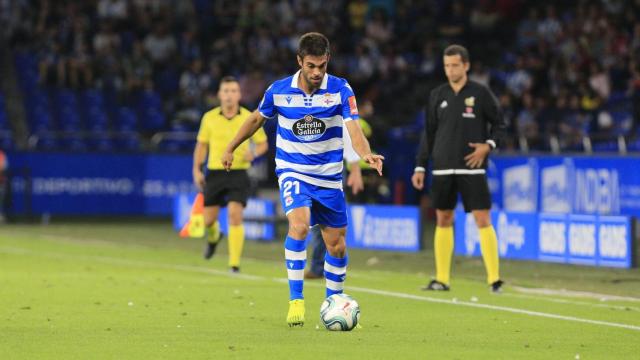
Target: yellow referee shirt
217 131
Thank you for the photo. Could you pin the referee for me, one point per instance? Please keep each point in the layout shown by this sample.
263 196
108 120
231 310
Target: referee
222 188
464 123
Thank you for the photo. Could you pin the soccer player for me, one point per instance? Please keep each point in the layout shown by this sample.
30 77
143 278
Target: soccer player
311 107
464 123
354 181
225 188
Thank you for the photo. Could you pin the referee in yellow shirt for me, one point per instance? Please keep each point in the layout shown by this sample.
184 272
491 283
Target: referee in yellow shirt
220 187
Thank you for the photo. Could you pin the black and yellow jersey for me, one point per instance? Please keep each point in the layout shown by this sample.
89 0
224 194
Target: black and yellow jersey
217 131
472 115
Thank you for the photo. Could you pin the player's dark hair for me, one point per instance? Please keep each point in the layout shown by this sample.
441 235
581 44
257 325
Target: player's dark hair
314 44
228 79
453 50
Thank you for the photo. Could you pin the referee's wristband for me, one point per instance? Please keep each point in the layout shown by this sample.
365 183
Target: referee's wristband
492 144
419 169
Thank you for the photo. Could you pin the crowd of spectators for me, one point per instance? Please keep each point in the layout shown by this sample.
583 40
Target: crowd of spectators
559 68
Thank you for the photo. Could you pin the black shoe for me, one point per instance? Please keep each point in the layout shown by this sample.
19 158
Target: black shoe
436 285
210 249
496 287
235 269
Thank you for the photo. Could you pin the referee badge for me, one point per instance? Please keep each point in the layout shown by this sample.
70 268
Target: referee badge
468 111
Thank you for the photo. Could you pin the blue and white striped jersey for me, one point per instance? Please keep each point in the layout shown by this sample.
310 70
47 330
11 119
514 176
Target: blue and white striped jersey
309 144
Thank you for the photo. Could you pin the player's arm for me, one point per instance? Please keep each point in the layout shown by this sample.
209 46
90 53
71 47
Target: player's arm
199 157
258 150
361 146
493 115
354 180
248 128
426 143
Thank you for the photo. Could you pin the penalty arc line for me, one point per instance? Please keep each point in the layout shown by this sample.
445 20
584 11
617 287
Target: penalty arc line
187 268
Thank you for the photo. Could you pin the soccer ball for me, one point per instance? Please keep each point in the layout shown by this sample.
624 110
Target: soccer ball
340 312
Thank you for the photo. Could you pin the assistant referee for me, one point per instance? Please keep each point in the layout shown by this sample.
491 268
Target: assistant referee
222 188
464 123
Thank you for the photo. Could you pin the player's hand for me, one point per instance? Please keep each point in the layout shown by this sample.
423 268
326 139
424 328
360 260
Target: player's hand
417 179
354 181
198 178
227 160
374 161
476 158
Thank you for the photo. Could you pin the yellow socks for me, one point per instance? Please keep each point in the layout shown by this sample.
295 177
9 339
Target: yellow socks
236 241
443 250
213 233
489 248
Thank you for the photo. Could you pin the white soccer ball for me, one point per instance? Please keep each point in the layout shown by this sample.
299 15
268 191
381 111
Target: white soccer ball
340 312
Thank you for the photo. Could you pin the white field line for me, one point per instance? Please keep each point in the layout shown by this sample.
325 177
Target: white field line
571 293
572 302
188 268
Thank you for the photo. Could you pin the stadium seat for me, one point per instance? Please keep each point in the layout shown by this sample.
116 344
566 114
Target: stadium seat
129 142
75 144
606 146
101 144
47 143
4 120
634 146
126 119
6 141
153 119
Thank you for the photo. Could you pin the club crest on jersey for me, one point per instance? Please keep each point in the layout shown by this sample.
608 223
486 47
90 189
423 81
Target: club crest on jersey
288 201
328 99
309 128
470 101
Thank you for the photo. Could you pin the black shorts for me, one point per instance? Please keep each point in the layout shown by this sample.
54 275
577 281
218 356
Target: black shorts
473 188
222 186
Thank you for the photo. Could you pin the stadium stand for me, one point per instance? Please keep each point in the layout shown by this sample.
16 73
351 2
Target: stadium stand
99 74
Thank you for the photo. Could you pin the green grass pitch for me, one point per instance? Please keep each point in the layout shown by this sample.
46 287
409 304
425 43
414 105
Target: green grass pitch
125 290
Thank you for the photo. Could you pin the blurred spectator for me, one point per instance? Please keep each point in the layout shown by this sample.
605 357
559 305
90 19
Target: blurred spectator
138 69
160 44
193 83
538 57
253 85
519 81
599 81
526 125
479 73
112 9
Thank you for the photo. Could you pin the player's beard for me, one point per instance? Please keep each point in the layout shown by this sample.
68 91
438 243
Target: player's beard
311 83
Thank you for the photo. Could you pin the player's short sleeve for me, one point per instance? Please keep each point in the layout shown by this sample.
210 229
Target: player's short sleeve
259 136
204 133
349 105
267 107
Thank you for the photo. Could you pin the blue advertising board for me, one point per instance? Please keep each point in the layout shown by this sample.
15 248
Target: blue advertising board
253 230
556 184
593 240
97 184
384 227
514 232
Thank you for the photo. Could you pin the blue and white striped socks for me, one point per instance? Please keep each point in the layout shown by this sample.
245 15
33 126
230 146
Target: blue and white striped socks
335 271
295 254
